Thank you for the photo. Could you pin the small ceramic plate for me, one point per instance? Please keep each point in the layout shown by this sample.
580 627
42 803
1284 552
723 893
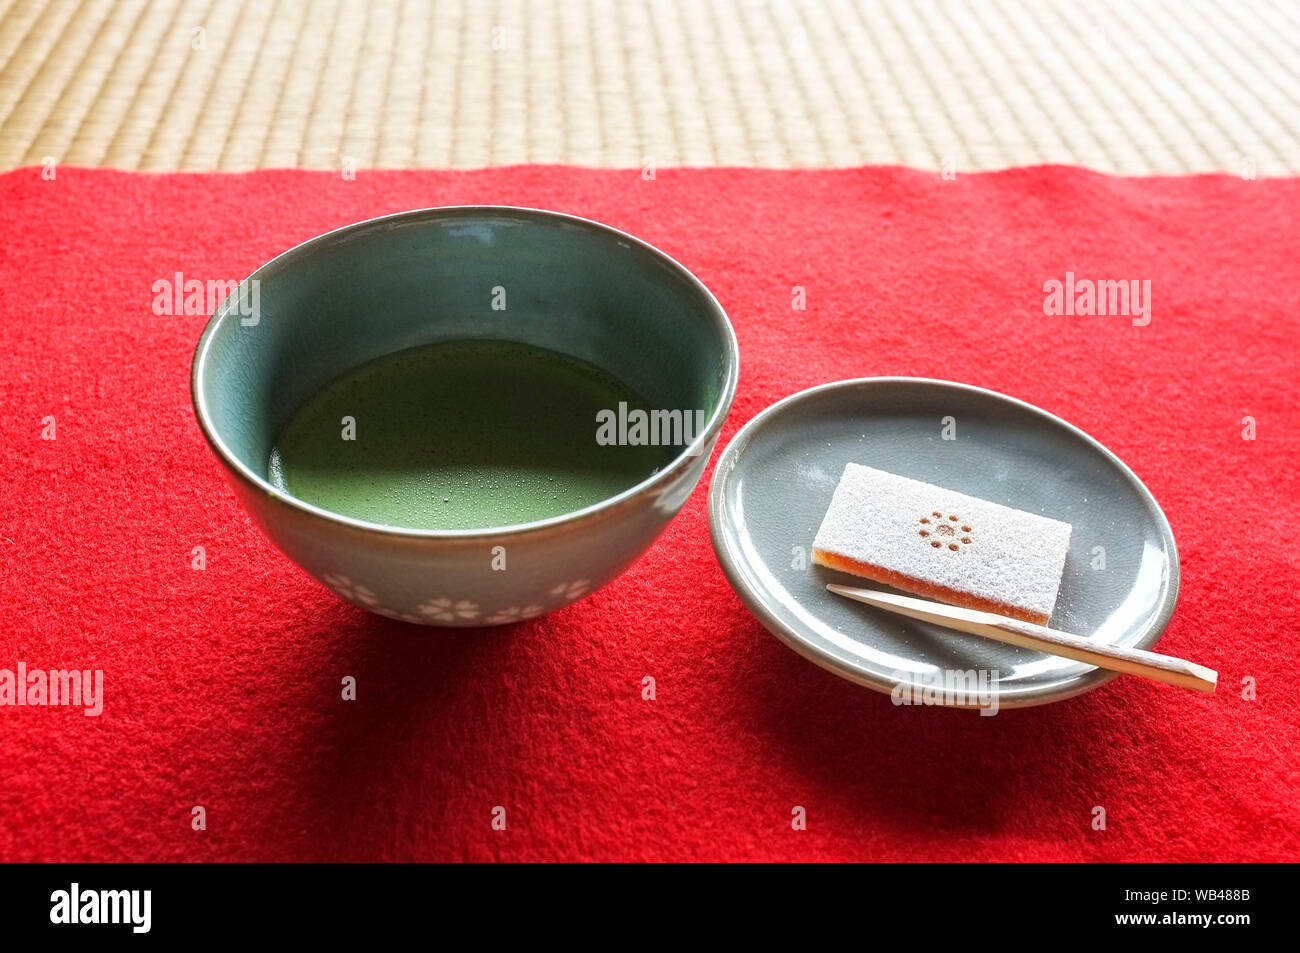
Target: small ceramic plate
774 482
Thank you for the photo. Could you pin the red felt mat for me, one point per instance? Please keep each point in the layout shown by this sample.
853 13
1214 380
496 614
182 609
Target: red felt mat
222 685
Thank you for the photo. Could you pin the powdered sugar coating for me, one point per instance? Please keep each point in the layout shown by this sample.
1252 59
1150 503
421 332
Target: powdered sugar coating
993 552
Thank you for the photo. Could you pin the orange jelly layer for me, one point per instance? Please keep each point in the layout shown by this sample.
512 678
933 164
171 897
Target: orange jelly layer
923 587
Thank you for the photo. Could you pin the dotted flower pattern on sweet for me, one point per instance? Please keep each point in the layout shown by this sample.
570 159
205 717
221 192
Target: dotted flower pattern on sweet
446 610
950 532
345 588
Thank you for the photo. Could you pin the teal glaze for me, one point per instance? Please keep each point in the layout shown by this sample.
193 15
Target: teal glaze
487 273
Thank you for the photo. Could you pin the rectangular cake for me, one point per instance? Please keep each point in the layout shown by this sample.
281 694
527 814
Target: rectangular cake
942 544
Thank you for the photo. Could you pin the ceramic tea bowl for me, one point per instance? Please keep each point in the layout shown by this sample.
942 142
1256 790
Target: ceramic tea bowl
380 286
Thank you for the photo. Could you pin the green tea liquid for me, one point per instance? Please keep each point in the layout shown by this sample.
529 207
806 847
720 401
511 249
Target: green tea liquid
461 435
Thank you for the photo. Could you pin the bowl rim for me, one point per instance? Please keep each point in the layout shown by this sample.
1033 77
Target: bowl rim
287 258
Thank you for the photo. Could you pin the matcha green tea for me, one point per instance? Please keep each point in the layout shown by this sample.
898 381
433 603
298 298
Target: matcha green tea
461 435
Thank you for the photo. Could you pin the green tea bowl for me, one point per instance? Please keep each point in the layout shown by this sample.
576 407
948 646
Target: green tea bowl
388 284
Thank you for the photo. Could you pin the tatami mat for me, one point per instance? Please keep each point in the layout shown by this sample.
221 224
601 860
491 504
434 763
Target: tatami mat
1159 86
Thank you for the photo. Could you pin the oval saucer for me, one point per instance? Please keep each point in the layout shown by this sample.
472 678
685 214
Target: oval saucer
775 479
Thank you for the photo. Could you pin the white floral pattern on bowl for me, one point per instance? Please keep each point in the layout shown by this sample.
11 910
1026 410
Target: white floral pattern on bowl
569 591
447 610
403 616
349 590
513 614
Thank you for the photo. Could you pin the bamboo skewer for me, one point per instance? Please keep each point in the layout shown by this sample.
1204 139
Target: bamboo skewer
1115 658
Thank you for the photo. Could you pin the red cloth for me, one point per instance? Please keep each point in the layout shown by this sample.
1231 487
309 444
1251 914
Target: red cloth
222 686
